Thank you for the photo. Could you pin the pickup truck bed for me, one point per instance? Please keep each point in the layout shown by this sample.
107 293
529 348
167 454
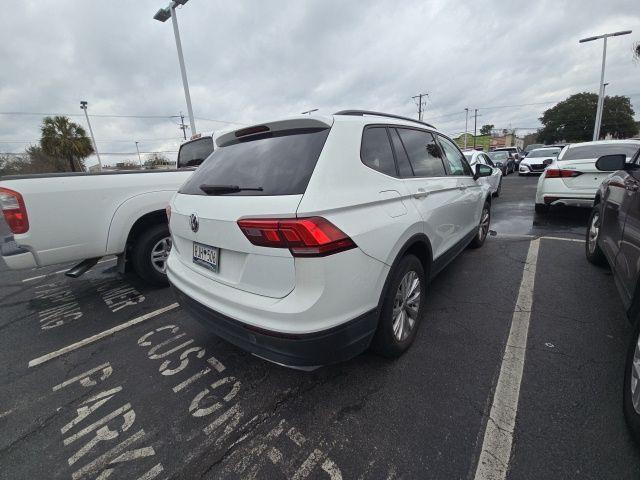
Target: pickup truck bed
79 216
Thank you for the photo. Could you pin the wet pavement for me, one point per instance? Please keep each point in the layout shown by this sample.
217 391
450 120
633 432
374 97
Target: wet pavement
163 398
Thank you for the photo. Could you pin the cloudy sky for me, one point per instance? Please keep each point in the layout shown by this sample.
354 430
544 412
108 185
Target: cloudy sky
248 61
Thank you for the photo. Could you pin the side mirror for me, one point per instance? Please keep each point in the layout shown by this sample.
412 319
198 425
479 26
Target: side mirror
482 171
611 163
194 152
548 161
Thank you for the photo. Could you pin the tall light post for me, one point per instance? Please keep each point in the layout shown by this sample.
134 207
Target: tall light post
138 150
596 128
83 106
163 15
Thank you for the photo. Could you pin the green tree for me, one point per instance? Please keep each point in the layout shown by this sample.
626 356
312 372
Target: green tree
486 129
63 139
157 160
572 120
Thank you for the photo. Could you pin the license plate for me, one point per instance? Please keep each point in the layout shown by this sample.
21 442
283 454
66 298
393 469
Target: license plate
206 256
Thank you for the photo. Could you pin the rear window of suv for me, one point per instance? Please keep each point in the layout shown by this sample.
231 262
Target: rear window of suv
280 163
596 151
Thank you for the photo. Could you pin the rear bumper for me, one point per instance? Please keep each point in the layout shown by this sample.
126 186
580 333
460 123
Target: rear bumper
14 256
333 345
567 200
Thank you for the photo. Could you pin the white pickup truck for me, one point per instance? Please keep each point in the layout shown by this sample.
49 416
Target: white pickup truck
81 217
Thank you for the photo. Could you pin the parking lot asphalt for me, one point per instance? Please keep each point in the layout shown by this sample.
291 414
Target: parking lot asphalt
157 396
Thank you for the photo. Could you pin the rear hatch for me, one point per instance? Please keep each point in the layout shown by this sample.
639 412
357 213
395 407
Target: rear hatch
581 159
257 172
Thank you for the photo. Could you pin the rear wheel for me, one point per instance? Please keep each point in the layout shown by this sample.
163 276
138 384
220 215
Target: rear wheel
592 249
483 227
542 208
149 254
402 309
631 387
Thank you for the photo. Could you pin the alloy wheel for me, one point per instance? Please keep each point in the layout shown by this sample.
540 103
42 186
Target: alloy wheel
635 378
159 254
594 231
406 305
483 228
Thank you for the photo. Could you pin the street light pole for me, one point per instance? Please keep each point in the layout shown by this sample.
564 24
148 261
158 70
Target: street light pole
139 159
83 106
163 15
598 122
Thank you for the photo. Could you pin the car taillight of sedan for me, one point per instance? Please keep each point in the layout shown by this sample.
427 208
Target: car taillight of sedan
560 173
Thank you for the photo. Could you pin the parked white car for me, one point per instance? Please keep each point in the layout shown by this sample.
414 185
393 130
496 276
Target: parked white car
494 181
308 239
572 179
81 217
537 160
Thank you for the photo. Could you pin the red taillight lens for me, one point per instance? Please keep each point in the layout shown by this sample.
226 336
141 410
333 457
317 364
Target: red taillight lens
15 213
558 173
304 237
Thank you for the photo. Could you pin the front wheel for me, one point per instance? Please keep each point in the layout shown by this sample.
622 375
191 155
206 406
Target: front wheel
592 249
631 387
402 308
483 227
149 254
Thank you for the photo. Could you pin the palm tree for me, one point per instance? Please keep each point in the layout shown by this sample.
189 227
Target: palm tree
64 139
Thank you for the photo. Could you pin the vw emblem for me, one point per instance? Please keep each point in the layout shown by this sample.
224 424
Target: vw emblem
193 221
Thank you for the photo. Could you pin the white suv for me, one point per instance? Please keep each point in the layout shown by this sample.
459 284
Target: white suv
308 239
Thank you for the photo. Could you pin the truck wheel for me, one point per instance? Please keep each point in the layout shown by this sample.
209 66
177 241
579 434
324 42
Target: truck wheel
402 309
149 254
483 227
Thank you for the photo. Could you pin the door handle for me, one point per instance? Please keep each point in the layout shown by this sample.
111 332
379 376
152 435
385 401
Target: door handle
421 193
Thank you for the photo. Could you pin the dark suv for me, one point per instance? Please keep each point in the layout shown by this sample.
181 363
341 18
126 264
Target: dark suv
613 237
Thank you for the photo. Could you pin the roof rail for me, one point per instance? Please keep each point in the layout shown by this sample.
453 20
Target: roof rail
362 113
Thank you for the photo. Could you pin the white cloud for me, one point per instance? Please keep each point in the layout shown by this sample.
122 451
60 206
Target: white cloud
251 60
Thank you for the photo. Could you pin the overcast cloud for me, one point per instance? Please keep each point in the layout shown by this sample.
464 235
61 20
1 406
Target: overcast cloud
249 61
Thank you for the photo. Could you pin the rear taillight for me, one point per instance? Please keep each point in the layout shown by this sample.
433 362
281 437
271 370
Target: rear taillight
15 213
304 237
559 173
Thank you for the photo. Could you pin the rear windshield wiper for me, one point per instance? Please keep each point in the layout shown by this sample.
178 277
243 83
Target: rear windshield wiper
222 189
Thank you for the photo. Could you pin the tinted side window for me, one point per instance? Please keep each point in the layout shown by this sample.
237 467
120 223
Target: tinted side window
376 151
424 153
455 159
404 167
488 161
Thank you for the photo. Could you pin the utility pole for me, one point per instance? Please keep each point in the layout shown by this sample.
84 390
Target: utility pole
596 128
420 103
183 127
138 150
475 126
83 106
466 126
